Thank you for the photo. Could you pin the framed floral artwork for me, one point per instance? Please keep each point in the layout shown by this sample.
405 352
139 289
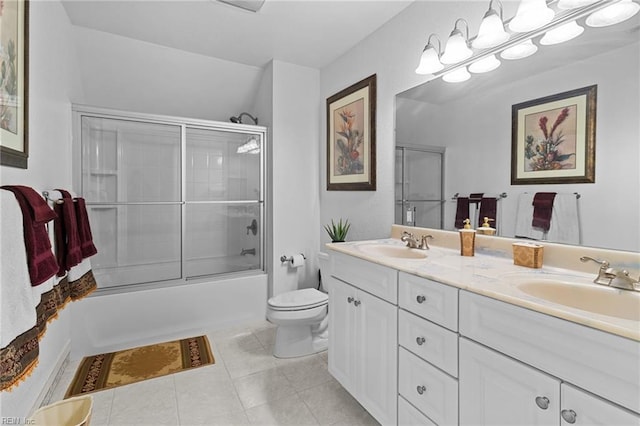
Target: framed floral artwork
553 139
351 138
14 73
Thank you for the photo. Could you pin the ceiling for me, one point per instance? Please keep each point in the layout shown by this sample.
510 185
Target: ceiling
310 33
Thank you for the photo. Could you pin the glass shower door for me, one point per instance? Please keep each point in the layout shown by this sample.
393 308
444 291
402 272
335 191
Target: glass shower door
419 187
223 202
131 183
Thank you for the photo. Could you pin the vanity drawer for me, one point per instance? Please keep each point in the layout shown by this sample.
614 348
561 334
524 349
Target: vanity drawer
429 299
428 389
431 342
408 415
370 277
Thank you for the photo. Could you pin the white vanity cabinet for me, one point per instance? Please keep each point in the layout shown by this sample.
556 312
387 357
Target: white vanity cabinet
363 331
542 360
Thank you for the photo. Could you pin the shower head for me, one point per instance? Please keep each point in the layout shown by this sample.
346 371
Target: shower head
238 119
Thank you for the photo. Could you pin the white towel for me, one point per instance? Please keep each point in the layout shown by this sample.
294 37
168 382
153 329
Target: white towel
17 302
565 221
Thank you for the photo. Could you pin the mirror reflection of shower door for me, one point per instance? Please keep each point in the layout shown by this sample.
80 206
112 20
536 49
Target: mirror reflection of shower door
419 186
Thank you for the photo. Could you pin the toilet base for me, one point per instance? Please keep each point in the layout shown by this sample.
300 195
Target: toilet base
298 340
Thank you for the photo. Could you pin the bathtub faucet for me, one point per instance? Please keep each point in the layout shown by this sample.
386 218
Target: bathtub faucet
248 251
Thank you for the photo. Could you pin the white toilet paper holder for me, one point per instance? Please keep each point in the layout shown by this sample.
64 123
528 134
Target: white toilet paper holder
289 259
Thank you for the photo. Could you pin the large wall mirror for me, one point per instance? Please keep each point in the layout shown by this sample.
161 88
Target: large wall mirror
472 121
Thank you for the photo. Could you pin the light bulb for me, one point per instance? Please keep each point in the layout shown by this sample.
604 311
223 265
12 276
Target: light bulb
429 61
456 49
531 15
519 51
561 34
613 14
487 64
457 76
491 32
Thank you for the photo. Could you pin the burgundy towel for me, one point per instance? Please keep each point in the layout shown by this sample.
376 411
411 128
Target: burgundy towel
84 229
41 261
542 208
68 249
462 212
488 208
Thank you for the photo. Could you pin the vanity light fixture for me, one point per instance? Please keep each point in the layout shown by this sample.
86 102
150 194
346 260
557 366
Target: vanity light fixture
561 34
613 14
491 32
531 15
573 4
519 51
430 58
487 64
553 22
457 47
456 76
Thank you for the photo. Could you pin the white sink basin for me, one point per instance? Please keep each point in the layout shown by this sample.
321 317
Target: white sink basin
585 296
397 252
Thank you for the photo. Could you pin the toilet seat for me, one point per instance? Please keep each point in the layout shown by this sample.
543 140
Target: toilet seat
297 300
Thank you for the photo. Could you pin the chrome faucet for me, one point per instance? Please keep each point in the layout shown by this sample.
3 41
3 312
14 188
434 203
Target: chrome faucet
413 242
248 251
617 278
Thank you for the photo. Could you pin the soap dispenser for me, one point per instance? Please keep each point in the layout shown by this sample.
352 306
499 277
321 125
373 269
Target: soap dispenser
467 239
485 228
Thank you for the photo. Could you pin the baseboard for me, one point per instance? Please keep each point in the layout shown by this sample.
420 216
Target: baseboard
44 397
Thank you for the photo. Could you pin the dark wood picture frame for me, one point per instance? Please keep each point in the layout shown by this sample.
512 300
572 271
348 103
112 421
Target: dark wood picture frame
553 138
14 84
351 138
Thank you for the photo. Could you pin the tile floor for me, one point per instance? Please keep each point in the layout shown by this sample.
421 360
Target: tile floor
245 386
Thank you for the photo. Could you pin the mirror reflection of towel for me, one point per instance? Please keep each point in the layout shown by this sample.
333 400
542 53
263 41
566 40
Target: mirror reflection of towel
565 222
462 211
488 208
542 209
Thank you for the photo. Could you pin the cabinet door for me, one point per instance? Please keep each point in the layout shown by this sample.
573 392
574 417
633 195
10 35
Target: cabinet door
342 344
497 390
581 408
377 356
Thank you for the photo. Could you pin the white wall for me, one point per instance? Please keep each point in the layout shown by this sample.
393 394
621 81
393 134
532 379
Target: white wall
52 88
294 165
131 75
478 144
392 53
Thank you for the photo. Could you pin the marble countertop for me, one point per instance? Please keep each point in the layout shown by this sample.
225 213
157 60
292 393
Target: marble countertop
498 278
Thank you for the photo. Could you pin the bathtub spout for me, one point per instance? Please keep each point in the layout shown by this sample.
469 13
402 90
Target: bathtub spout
248 251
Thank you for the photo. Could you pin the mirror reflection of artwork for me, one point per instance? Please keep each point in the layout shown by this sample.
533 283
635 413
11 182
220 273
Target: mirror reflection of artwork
550 141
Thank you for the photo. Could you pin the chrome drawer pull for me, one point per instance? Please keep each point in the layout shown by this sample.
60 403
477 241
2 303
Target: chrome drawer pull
350 299
420 340
421 389
569 416
542 402
420 299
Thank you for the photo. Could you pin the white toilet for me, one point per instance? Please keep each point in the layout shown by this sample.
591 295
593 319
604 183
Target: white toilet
301 317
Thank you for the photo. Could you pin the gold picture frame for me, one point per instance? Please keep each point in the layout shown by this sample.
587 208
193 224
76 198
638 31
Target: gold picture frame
14 79
351 138
554 139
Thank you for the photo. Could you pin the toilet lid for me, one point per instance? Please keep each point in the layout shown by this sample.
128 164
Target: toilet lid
298 299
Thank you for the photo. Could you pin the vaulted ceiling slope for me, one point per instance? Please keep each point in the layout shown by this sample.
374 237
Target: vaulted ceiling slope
310 33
